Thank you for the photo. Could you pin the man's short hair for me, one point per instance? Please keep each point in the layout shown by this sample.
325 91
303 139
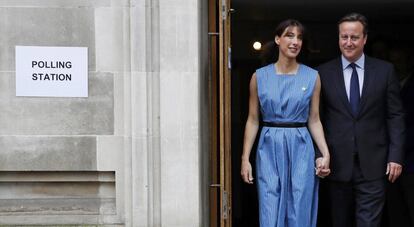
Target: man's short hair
355 17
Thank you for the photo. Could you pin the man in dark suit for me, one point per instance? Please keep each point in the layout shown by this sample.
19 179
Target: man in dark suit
363 121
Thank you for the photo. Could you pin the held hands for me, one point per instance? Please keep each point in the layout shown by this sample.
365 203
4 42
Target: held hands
246 172
321 170
393 171
322 167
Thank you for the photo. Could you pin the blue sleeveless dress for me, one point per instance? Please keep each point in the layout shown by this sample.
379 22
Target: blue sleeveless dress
286 181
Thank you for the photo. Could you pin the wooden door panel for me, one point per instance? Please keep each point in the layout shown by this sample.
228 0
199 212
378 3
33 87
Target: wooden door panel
220 113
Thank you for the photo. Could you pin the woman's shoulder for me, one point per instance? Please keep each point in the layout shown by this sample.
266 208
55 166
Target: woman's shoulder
263 74
308 69
264 68
263 71
309 73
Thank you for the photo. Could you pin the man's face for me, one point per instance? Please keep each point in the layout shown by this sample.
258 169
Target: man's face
352 40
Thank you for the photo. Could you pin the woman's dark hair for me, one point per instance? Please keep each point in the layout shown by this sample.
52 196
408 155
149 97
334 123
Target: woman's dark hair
355 17
270 50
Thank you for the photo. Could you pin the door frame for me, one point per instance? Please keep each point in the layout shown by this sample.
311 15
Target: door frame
220 112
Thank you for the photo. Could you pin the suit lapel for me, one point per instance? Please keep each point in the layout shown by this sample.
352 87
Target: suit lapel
368 75
340 86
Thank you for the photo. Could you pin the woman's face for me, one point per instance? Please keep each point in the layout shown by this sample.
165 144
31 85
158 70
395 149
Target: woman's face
290 42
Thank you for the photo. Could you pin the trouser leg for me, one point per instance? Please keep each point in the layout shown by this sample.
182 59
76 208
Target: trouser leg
342 206
369 199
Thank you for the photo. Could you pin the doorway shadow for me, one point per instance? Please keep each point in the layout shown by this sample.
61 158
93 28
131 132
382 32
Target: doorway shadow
389 33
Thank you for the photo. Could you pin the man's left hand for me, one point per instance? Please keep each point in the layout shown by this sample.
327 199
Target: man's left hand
393 171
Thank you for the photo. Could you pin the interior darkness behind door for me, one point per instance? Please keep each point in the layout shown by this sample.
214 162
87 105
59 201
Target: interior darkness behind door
390 37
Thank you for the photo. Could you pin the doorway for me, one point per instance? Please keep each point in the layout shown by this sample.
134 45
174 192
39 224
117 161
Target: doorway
220 112
389 34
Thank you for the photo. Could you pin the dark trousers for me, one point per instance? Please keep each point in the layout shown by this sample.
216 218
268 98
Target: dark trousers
358 202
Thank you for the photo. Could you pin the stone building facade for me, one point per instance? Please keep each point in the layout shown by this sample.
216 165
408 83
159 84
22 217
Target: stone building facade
135 151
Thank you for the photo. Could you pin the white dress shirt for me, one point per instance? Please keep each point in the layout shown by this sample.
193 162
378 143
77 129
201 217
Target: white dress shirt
347 70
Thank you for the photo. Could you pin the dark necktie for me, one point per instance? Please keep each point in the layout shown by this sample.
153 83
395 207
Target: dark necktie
354 90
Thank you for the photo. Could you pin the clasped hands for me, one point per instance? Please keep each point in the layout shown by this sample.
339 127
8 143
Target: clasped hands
322 167
321 170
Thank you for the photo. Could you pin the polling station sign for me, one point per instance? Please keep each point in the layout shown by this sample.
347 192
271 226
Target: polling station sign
51 71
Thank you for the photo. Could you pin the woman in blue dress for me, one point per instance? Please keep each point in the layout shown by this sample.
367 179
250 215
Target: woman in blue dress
286 94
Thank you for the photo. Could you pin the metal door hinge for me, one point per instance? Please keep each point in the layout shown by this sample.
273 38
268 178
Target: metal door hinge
224 10
225 205
229 58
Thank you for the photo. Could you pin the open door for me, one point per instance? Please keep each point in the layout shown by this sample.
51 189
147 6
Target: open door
220 113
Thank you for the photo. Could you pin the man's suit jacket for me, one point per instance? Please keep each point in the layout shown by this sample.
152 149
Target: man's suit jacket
376 133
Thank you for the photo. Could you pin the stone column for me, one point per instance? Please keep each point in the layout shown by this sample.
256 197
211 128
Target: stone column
167 79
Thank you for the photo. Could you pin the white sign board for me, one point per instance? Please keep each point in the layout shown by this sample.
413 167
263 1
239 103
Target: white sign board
51 71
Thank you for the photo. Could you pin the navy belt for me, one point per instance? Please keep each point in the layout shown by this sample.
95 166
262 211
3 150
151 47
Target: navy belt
285 124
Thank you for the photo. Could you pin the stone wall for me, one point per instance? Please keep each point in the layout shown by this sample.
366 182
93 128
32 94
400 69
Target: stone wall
133 152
